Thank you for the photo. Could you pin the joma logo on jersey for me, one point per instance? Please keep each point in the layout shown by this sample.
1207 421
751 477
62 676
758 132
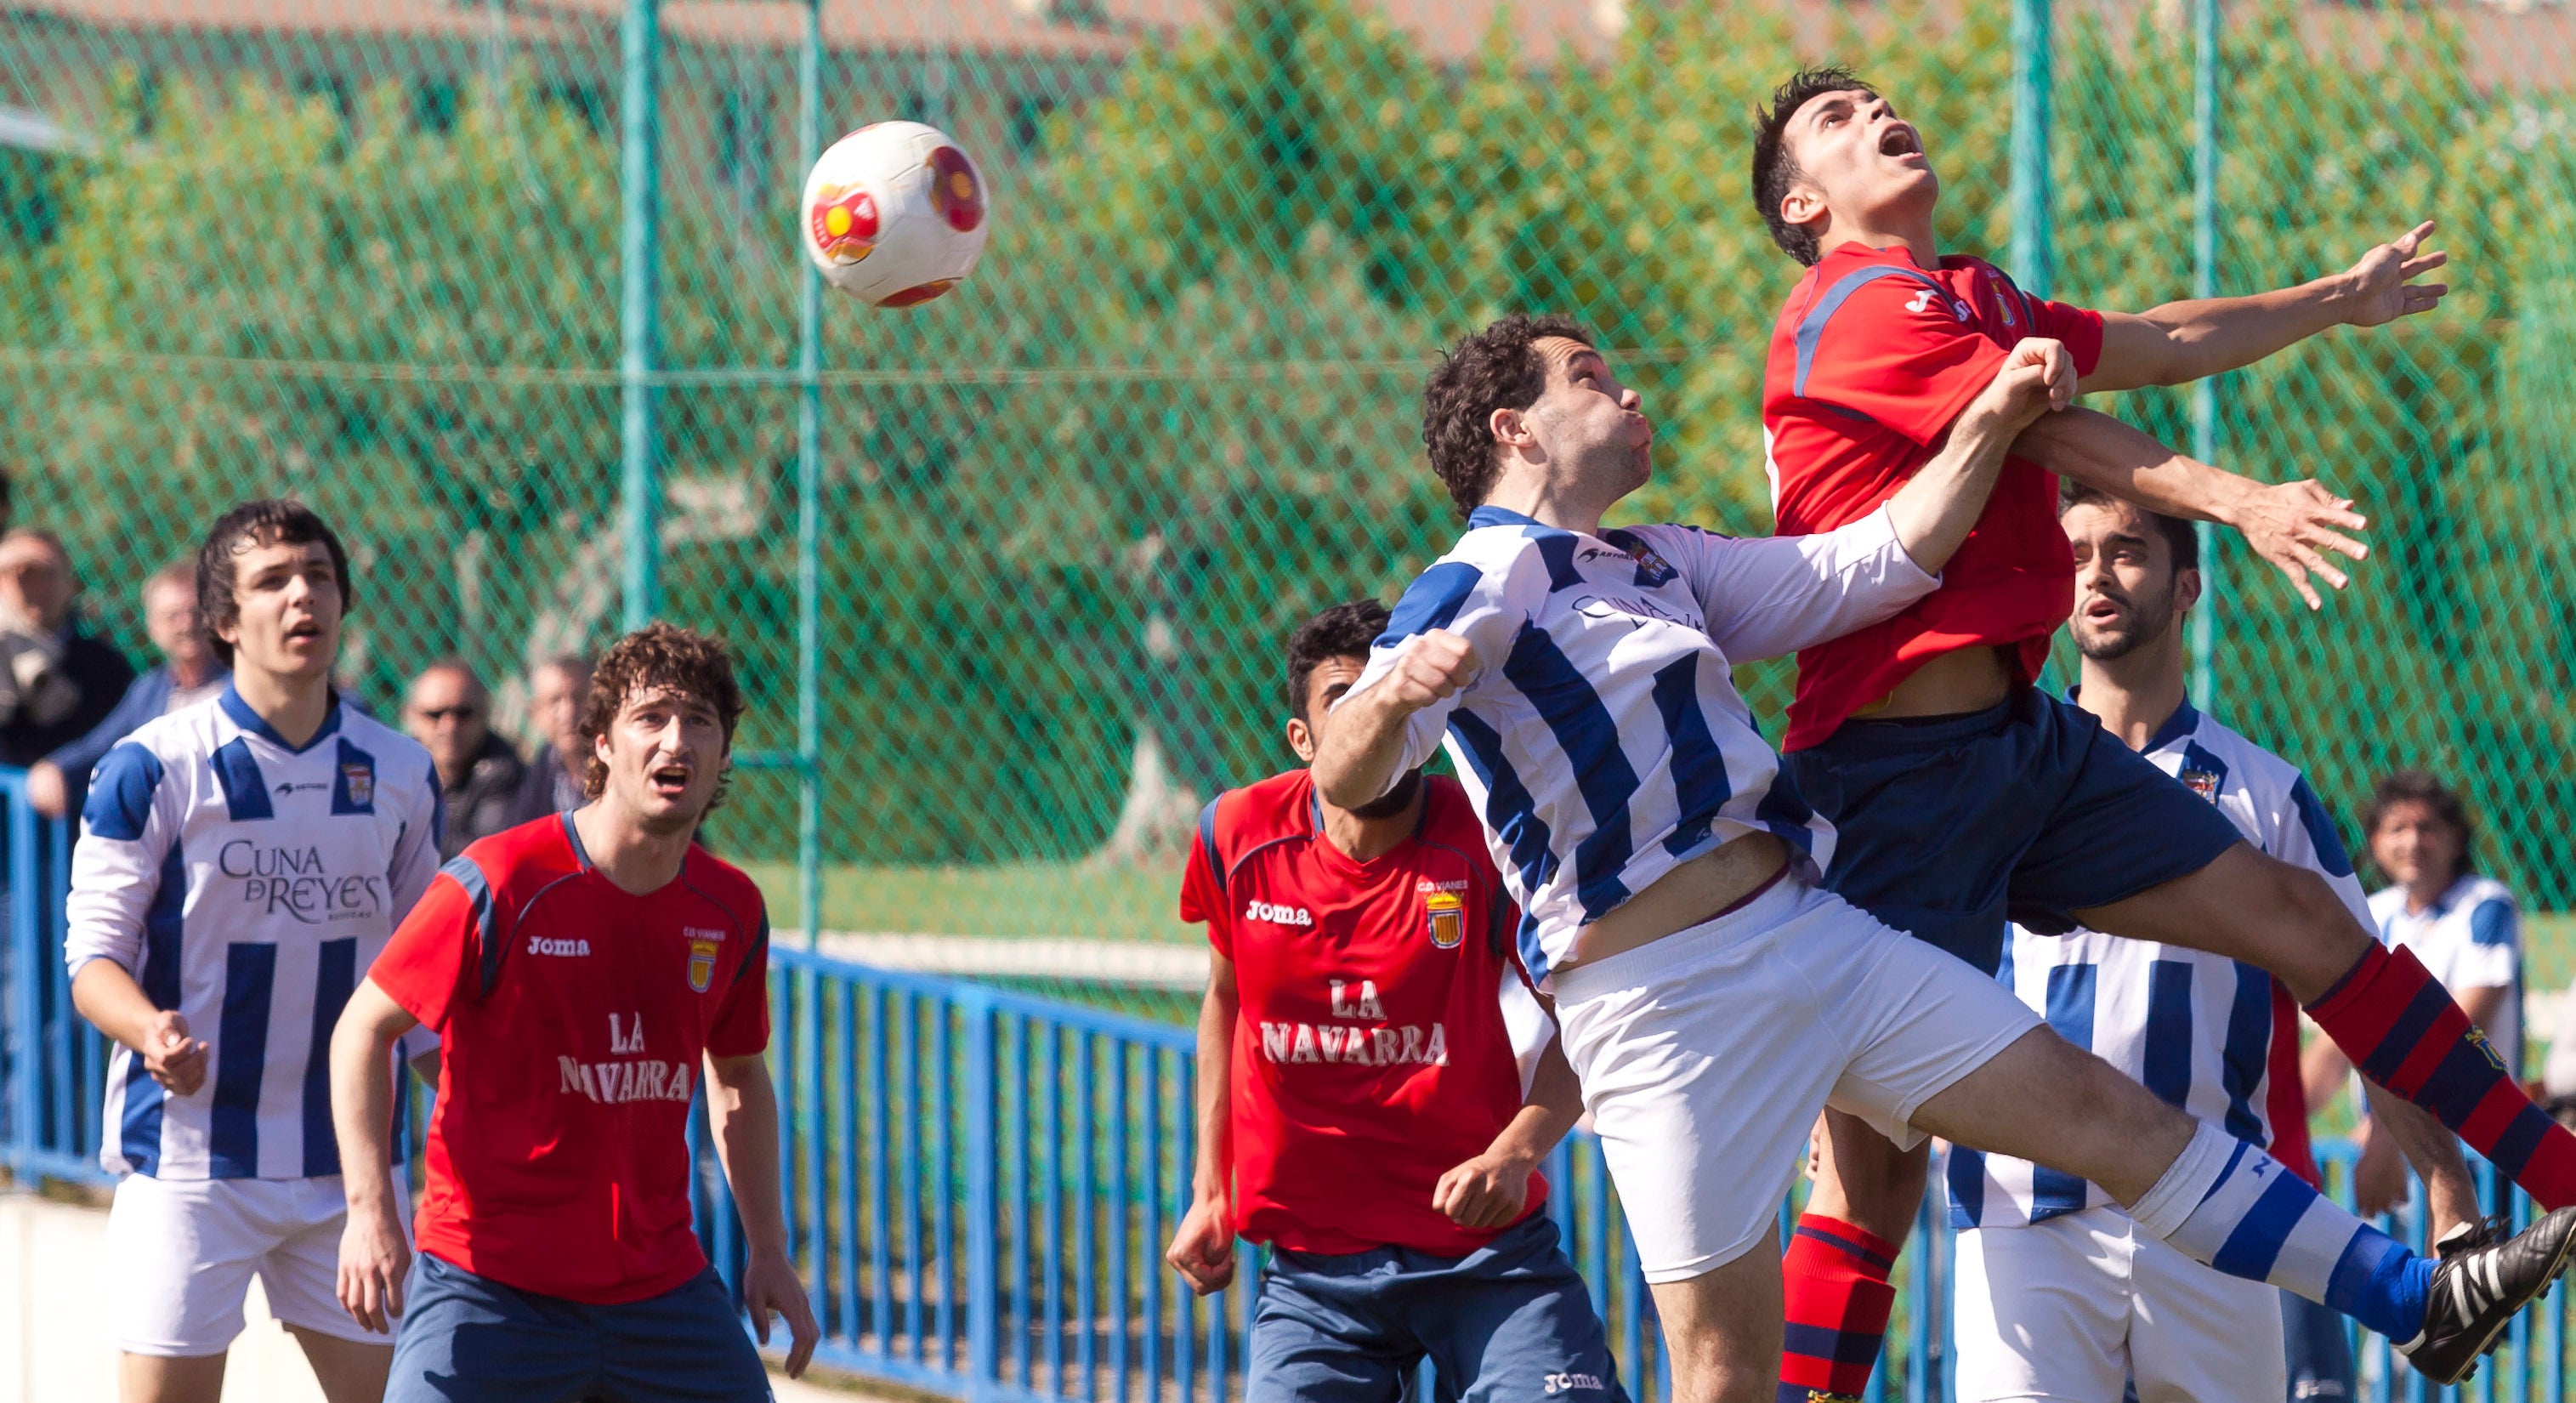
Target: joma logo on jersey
546 945
1923 301
1278 915
1567 1383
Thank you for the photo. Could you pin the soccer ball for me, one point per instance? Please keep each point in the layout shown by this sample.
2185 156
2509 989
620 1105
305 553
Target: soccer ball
895 213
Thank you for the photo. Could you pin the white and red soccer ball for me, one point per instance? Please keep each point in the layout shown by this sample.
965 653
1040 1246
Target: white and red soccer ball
895 213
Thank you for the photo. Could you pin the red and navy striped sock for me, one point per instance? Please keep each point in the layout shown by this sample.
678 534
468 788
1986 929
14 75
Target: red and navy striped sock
2404 1031
1835 1277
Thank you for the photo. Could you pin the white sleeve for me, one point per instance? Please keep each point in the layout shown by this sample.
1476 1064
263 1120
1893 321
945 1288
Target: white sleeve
2493 956
2304 835
1768 596
416 850
1486 605
128 825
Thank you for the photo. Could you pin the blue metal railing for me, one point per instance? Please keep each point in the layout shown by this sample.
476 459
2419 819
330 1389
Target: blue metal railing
979 1185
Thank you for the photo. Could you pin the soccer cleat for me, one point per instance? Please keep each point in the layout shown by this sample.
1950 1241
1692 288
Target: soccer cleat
2479 1284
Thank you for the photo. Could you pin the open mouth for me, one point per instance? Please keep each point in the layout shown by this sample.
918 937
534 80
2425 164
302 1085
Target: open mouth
2103 611
668 779
1900 140
304 629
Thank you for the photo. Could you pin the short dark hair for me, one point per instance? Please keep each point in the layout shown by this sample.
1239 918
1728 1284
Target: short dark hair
1774 169
2182 536
1497 368
1343 631
267 522
2422 787
663 656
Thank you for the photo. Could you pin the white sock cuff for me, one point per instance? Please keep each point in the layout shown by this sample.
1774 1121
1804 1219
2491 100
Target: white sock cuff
2162 1209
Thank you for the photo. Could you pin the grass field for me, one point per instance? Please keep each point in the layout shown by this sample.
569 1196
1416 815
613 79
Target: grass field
1087 902
1079 901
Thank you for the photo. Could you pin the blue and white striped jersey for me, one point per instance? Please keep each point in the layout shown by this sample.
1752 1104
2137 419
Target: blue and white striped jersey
1602 737
247 884
2196 1028
2470 939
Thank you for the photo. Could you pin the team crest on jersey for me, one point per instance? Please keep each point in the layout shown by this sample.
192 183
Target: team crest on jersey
703 945
1448 919
2202 783
359 778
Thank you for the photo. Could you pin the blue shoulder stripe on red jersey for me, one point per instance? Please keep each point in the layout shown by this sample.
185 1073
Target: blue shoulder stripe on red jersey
1812 329
1207 842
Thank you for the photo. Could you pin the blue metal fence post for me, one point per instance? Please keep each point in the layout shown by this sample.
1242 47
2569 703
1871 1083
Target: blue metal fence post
639 311
26 993
983 1338
2033 244
2203 626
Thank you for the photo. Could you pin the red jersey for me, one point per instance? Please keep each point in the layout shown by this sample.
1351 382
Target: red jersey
1370 1053
1872 359
2286 1095
572 1018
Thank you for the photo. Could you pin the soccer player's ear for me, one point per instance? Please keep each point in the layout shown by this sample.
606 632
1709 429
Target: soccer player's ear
1804 204
2186 590
1301 738
1510 427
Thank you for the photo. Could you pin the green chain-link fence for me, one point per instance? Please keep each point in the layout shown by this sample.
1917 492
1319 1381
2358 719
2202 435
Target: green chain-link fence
369 252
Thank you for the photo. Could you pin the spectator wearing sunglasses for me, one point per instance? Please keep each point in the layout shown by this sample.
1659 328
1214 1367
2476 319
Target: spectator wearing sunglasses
479 775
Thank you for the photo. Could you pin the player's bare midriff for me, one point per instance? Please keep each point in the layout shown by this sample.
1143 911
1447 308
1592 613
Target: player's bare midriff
1956 682
1682 898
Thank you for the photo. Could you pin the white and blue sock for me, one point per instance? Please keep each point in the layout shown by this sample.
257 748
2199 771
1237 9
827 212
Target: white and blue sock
2228 1204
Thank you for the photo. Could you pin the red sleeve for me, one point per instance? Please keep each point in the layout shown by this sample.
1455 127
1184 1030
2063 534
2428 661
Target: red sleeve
1203 886
741 1025
431 950
2079 327
1896 351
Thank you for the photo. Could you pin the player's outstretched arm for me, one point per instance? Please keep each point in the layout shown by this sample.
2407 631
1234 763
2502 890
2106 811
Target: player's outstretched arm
1490 1190
2180 341
1362 752
2291 524
742 1118
1202 1249
374 1254
1935 509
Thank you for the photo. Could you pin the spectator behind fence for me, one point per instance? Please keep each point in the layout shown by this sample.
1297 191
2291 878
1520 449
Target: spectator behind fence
56 681
556 690
2467 930
449 712
189 673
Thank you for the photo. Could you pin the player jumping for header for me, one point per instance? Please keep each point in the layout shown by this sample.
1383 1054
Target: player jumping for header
589 973
1927 723
1713 997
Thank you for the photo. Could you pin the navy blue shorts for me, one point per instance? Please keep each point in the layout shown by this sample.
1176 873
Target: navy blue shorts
1509 1321
469 1337
1949 827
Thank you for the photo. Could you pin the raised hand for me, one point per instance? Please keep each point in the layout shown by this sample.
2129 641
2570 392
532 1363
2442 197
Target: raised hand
2290 524
1432 665
2383 282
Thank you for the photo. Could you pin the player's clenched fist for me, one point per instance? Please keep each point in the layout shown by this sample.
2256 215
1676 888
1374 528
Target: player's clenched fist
2038 375
1429 667
174 1059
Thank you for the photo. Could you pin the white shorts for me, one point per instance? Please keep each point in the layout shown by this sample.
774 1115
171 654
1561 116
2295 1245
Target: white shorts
1706 1055
184 1251
2071 1309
